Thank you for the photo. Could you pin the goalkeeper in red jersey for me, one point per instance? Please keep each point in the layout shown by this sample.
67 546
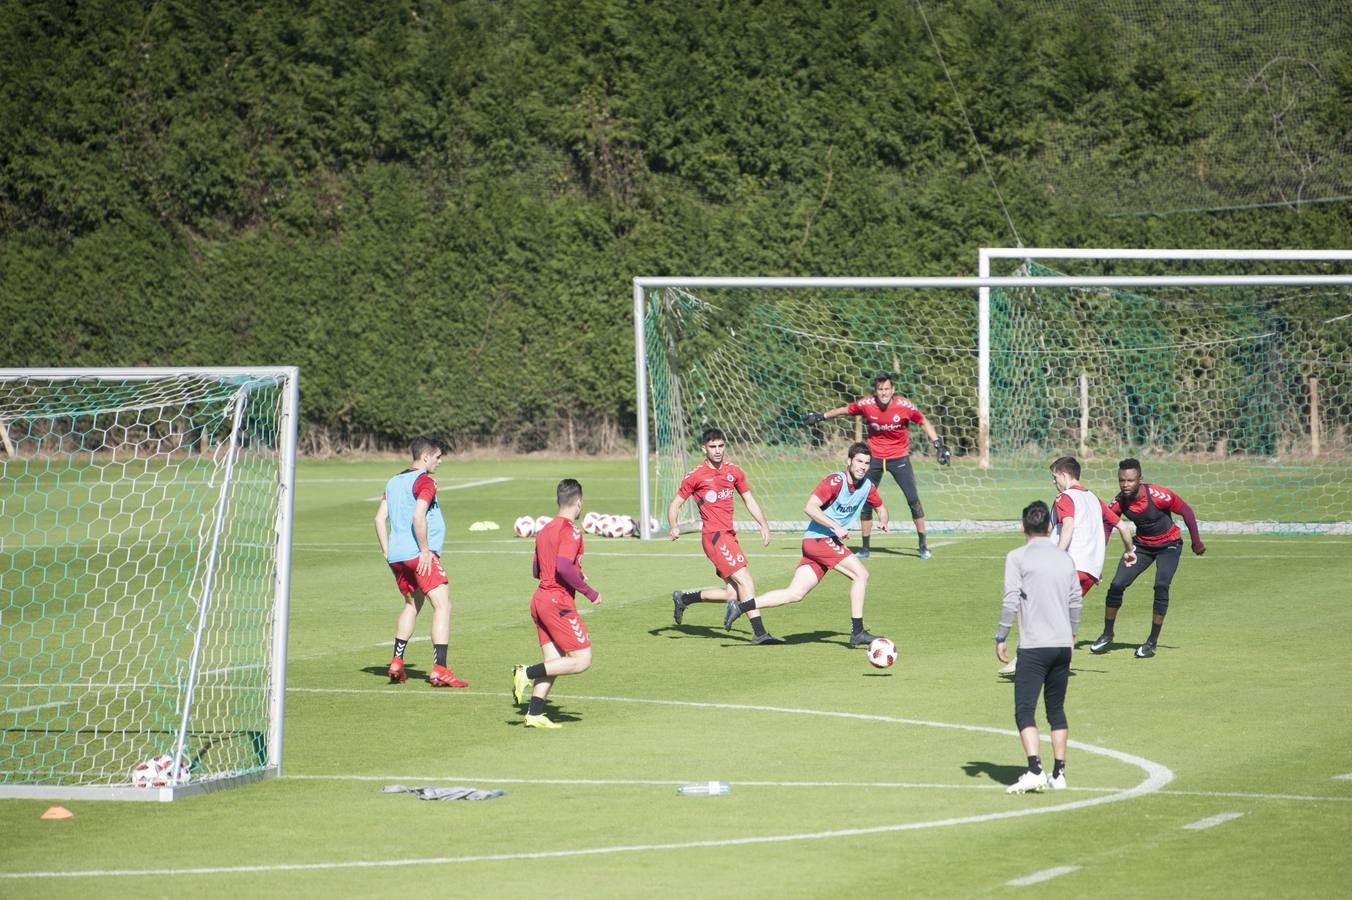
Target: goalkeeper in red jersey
1158 541
563 637
712 484
889 417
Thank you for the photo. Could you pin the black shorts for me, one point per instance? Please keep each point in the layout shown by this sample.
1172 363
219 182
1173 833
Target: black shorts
905 477
1044 670
1165 558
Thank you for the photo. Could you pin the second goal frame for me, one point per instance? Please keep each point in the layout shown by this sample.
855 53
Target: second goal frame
980 286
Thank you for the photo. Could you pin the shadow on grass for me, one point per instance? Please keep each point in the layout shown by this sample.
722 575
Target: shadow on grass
998 774
553 712
413 672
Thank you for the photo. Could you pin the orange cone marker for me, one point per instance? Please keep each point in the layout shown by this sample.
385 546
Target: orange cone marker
57 812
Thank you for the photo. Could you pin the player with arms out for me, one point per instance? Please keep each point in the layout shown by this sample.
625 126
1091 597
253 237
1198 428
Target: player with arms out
713 483
412 533
563 637
832 506
1158 541
889 416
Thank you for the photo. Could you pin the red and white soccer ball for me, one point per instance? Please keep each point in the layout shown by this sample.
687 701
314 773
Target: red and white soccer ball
541 522
603 523
160 771
589 522
524 526
626 526
881 653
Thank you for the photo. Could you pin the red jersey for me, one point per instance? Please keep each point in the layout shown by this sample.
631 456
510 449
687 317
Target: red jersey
1151 513
713 490
889 435
560 538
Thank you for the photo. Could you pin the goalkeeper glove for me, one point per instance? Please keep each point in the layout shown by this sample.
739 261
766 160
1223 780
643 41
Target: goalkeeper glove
944 454
813 418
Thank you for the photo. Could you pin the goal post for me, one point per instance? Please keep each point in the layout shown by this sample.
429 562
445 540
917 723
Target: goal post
1014 370
147 553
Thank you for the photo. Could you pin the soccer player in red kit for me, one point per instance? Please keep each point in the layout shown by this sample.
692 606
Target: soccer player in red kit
563 637
713 483
1158 540
888 417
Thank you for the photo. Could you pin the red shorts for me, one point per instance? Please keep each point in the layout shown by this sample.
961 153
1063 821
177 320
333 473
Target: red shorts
823 554
557 621
1087 581
724 552
407 577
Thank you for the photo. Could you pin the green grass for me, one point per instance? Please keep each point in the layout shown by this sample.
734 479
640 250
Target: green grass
1246 705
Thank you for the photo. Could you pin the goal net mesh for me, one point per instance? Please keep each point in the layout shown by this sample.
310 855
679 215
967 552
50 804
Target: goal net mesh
1239 398
140 560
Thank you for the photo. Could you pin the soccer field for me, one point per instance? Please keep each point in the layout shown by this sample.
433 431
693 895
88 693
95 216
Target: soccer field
1222 767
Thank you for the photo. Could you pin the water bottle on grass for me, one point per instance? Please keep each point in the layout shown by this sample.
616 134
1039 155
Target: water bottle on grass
705 789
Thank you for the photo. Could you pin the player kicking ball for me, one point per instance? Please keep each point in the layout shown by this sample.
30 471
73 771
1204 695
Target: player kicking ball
832 506
563 637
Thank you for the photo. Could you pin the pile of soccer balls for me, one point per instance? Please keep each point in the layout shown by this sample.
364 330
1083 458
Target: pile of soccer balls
160 771
599 524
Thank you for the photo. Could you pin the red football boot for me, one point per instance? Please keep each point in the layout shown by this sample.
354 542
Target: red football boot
397 673
443 677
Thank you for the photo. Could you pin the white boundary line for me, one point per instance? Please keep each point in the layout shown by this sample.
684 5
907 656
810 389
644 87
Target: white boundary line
1044 875
1212 821
1157 776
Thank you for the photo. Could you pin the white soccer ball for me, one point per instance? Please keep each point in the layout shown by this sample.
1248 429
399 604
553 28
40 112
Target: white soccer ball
881 653
524 526
603 524
627 526
589 522
654 526
541 522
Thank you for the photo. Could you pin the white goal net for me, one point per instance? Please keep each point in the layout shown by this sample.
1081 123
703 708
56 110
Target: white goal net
146 554
1229 376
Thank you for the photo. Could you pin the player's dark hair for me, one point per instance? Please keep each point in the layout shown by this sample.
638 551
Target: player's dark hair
711 434
880 378
569 489
1130 462
857 448
1068 465
1037 518
424 444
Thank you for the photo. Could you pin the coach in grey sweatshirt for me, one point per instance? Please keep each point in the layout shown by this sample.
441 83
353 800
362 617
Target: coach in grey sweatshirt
1042 588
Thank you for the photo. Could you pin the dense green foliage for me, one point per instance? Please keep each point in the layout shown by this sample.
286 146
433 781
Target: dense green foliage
435 208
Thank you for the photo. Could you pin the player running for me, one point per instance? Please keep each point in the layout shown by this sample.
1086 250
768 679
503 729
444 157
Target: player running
832 506
412 533
889 416
563 637
712 483
1158 540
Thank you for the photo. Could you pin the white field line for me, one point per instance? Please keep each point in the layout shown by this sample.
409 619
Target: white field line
1044 875
24 709
1157 776
475 779
1212 821
457 487
1345 777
